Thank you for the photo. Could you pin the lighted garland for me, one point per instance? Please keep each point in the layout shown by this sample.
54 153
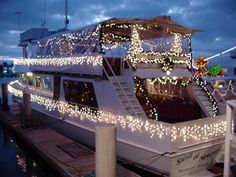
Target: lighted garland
70 36
176 46
39 91
135 46
171 80
142 89
155 129
62 61
136 49
202 84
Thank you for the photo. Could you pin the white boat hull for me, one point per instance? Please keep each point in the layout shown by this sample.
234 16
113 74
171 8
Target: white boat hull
173 164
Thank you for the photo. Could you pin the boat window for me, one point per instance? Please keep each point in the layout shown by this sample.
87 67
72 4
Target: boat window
37 81
31 80
47 83
23 78
80 93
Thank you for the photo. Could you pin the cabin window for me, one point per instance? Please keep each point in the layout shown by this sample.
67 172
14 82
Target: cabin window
23 79
47 83
37 81
30 80
80 93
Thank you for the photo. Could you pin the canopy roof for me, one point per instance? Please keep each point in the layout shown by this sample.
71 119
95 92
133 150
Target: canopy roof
152 28
89 38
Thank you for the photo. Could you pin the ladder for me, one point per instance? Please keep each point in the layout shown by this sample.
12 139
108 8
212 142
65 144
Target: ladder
125 94
127 97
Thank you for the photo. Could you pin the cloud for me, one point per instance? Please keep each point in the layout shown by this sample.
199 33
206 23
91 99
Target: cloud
175 10
218 39
216 18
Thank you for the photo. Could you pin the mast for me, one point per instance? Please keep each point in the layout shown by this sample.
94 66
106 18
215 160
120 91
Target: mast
66 14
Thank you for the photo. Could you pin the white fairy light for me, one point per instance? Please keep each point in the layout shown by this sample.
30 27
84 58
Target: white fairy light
154 129
177 45
62 61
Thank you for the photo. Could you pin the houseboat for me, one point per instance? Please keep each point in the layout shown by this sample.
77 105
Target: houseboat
134 73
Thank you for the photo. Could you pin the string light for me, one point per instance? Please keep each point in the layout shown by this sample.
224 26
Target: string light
135 46
202 84
171 80
39 91
94 60
177 45
142 89
160 57
155 129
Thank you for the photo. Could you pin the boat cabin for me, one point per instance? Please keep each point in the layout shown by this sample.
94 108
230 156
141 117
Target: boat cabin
151 57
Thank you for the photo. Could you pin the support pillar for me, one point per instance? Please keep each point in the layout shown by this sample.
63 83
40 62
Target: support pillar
106 151
230 105
27 112
4 97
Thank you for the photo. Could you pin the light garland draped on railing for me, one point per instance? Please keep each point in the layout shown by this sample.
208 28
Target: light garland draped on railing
152 128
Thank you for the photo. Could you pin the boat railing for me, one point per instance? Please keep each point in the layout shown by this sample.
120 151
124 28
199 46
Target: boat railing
195 132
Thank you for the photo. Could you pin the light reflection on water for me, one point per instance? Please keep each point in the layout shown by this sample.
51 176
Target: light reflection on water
17 160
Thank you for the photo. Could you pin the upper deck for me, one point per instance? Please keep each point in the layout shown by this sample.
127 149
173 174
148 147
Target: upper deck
145 43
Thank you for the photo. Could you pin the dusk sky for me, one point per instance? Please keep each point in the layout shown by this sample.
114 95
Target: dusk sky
216 18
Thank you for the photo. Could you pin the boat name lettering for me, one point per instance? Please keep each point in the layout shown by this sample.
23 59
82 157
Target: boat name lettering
209 154
187 156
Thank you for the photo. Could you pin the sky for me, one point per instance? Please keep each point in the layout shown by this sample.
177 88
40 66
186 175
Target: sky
215 18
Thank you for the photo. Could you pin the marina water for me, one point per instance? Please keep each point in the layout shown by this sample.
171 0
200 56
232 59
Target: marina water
18 160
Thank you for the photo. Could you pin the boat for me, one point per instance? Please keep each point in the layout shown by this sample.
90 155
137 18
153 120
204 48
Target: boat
137 74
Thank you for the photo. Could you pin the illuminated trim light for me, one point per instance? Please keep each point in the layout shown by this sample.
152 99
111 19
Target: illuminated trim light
62 61
155 129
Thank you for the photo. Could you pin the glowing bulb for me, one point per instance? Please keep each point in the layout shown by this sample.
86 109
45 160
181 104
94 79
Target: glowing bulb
29 74
168 72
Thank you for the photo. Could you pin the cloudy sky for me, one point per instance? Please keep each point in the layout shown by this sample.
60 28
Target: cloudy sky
216 18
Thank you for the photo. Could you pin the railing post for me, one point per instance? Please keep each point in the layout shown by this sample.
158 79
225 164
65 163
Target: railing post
106 151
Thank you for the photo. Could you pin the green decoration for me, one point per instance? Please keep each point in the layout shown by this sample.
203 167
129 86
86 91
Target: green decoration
215 70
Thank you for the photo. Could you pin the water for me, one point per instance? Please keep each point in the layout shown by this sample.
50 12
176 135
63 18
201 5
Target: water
17 160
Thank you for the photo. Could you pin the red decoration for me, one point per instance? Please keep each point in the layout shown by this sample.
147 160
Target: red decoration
201 63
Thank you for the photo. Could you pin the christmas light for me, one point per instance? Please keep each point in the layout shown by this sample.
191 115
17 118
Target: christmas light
177 45
202 84
62 61
171 80
155 129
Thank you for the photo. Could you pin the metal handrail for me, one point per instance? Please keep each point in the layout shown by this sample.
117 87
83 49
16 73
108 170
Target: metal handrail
108 64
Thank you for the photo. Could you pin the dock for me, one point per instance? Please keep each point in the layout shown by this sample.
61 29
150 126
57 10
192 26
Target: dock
66 156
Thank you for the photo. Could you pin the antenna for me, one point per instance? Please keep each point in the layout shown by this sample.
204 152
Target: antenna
18 13
43 20
19 20
66 14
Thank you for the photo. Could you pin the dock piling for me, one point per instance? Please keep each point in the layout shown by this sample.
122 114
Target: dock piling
106 151
27 112
4 97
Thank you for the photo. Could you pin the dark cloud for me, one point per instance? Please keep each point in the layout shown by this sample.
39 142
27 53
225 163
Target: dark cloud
216 18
